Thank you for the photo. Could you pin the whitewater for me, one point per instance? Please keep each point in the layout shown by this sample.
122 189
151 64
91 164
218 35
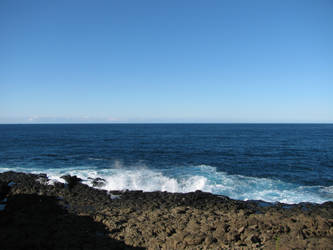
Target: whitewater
190 179
287 163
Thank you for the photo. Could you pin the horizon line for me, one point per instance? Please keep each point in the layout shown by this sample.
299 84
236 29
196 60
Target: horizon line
136 123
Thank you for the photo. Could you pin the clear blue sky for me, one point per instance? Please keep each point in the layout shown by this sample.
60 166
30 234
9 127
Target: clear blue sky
166 61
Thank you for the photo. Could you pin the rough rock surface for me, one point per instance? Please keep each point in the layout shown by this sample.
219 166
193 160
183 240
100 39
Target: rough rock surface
97 182
41 216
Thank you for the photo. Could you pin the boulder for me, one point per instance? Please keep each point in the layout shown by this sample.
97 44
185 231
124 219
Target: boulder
71 180
97 182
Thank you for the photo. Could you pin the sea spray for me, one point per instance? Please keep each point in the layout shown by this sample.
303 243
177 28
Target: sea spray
191 178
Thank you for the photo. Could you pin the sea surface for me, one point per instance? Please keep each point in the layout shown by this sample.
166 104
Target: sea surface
287 163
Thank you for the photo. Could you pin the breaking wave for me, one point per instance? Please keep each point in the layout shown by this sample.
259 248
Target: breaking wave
192 178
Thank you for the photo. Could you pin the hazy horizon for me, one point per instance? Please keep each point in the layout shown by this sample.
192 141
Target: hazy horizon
159 122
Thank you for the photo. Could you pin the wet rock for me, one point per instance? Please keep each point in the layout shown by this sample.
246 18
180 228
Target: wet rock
11 183
42 179
97 182
161 220
71 180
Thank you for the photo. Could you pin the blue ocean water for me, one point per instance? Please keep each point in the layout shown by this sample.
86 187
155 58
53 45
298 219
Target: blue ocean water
288 163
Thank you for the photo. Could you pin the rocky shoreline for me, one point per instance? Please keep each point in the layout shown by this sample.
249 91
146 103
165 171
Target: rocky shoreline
36 215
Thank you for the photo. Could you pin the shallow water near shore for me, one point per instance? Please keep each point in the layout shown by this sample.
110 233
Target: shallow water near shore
287 163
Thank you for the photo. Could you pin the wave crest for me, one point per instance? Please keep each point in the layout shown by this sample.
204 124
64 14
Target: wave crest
187 179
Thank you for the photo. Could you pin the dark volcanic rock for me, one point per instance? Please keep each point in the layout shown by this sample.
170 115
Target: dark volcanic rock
4 189
71 180
153 220
42 178
98 182
38 222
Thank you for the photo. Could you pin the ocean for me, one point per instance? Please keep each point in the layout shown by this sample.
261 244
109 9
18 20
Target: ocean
287 163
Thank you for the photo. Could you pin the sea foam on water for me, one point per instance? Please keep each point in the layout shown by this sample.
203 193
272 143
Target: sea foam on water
191 178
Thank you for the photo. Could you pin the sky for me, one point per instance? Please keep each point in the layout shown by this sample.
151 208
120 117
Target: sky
166 61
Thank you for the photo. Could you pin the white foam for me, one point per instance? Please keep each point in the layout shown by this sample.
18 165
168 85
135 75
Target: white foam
95 159
328 189
189 179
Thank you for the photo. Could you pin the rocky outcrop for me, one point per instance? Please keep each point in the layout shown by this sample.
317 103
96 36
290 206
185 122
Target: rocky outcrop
71 180
160 220
97 182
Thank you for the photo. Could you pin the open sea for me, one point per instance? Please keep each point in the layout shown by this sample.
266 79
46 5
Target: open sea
287 163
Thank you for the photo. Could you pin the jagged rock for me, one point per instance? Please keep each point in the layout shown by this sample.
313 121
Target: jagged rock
161 220
42 179
71 180
97 182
